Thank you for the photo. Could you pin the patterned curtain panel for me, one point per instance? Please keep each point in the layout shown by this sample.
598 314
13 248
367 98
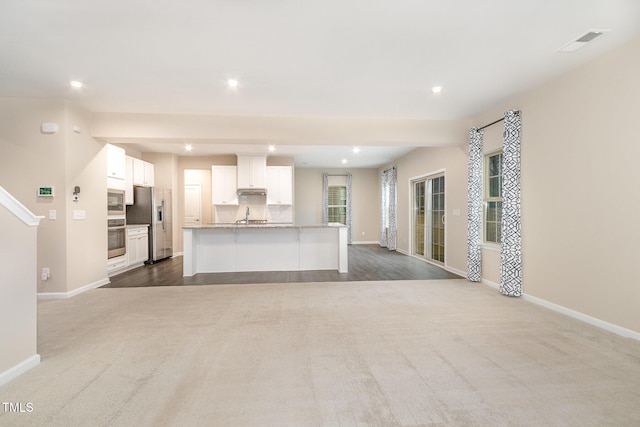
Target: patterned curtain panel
384 217
511 250
392 209
474 206
349 208
388 209
325 198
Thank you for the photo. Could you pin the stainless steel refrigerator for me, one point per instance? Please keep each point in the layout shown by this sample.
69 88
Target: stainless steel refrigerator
152 206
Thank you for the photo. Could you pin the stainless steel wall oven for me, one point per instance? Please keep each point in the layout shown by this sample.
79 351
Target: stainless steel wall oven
117 237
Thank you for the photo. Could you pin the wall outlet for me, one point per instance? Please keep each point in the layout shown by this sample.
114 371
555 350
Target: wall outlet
45 273
363 233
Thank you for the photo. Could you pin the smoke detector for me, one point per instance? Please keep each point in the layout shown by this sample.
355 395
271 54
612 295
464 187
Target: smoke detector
582 41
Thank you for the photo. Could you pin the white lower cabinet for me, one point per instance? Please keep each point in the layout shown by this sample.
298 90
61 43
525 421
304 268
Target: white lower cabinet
137 244
115 264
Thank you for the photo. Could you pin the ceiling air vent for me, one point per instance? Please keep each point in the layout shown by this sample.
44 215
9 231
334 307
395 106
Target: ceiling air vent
582 41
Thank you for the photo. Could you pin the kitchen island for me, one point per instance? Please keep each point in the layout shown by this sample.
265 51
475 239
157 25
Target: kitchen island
223 248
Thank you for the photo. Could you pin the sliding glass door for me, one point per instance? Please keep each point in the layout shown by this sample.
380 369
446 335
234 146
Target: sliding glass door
428 217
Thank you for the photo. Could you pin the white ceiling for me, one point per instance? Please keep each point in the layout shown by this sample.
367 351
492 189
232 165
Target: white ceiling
325 58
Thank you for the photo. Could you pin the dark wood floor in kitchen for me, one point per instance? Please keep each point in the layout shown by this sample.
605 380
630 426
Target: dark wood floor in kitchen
366 262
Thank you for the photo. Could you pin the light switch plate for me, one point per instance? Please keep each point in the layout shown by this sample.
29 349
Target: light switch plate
52 214
79 214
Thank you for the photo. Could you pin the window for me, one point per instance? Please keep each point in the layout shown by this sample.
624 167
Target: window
493 198
338 204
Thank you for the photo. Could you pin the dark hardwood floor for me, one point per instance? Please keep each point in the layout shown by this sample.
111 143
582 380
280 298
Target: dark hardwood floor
366 262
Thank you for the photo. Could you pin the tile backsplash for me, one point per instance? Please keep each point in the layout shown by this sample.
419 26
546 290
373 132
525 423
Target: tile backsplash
258 209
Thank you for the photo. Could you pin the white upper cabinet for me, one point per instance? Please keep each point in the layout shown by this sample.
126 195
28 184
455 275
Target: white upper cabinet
279 185
252 171
115 162
128 181
223 185
143 173
137 172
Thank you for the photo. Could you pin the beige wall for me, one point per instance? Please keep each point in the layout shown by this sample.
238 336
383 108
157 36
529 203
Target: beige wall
86 168
18 315
365 208
580 198
423 162
579 189
75 251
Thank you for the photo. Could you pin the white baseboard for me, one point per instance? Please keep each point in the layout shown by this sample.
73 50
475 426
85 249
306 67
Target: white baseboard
456 271
63 295
19 369
177 254
490 283
619 330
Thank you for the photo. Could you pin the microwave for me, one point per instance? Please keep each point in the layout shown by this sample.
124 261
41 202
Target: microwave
116 204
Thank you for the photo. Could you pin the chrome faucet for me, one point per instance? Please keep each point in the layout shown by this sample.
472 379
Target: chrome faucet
246 218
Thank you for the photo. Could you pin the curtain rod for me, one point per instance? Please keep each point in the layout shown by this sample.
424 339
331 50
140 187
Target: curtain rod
517 112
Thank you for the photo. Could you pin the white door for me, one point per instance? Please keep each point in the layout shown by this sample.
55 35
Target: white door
429 217
192 204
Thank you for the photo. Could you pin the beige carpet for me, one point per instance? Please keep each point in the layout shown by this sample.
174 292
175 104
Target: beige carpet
407 353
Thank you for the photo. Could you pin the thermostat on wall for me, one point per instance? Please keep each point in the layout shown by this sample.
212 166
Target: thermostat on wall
45 191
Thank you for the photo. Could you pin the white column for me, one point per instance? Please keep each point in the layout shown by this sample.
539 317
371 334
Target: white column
343 255
188 255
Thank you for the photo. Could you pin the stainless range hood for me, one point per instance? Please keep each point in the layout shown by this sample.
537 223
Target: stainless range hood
252 191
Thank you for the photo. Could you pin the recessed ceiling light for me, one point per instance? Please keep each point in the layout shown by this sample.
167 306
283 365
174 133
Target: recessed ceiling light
188 147
232 83
344 161
272 148
436 89
356 150
76 84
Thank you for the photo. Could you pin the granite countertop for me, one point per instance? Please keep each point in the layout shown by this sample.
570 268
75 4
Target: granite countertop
234 225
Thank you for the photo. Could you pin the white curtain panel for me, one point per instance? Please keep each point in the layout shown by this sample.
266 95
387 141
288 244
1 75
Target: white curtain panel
474 206
325 198
511 249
